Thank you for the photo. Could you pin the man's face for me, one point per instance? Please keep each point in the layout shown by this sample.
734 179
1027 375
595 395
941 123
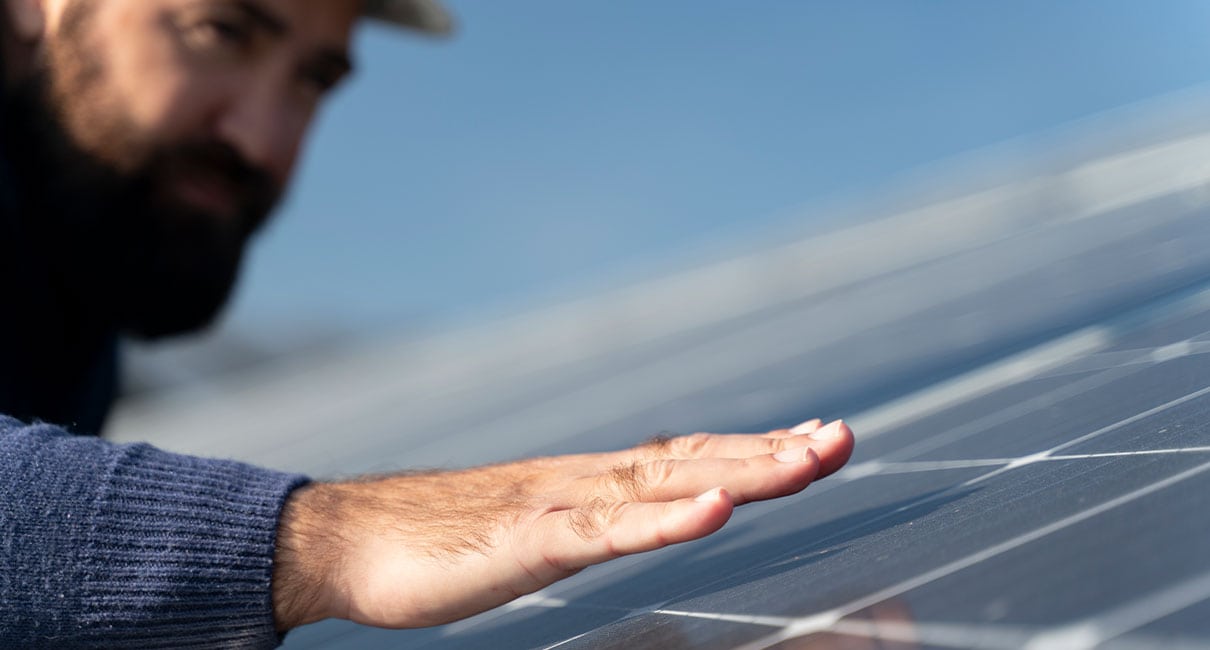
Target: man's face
187 117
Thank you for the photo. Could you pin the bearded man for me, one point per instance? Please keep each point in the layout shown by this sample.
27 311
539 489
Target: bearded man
142 144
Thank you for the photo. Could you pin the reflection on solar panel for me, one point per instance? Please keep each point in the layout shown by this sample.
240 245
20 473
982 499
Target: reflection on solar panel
1068 508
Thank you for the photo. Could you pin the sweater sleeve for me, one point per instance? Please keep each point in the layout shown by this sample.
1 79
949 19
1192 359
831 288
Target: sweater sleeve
121 546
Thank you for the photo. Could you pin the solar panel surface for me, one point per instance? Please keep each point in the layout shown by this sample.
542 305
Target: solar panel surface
1026 378
1066 509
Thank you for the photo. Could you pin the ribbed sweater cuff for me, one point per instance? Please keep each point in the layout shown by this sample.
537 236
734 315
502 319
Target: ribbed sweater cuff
121 546
180 551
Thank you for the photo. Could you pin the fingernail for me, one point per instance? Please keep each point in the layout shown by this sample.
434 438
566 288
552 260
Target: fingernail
806 427
830 432
796 455
707 497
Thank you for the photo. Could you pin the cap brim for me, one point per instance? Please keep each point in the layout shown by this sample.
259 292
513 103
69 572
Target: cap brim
427 16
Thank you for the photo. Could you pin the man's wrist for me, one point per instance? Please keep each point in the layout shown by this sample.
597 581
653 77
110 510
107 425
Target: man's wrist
305 551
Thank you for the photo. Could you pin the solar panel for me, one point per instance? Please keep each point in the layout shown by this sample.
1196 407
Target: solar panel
1027 379
1063 509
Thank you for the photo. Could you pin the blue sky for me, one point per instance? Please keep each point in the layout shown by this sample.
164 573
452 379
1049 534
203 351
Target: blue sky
553 144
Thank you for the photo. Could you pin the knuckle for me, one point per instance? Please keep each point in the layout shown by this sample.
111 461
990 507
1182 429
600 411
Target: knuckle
629 480
583 523
590 520
658 444
692 445
660 472
774 445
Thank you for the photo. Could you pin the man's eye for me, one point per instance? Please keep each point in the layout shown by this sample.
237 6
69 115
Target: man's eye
218 33
230 32
322 82
320 77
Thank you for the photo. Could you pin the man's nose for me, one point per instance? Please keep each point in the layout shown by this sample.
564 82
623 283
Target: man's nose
261 125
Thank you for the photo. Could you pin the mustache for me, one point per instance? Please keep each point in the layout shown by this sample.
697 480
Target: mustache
254 189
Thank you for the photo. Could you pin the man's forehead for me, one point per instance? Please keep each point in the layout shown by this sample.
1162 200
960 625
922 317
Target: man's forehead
427 16
330 20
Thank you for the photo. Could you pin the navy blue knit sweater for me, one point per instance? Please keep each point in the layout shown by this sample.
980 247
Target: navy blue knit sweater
121 546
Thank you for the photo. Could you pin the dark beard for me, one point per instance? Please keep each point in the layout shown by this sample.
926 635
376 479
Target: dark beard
124 254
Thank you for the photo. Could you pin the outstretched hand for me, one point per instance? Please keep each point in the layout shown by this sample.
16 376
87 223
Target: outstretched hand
428 548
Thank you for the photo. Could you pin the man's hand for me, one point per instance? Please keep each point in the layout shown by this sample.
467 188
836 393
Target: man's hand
429 548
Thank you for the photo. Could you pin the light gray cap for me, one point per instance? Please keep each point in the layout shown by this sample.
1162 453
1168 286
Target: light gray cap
427 16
